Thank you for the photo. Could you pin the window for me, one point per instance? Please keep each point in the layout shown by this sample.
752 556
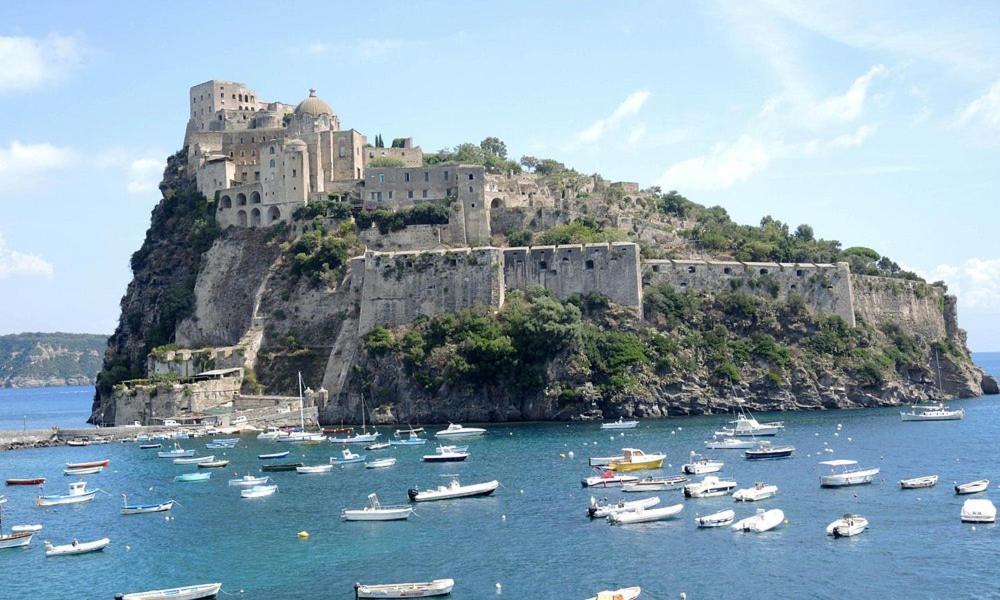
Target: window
406 177
656 268
256 175
446 175
271 163
471 176
691 269
427 176
799 273
381 177
590 264
390 194
423 194
270 150
295 173
763 271
543 265
727 270
409 193
341 152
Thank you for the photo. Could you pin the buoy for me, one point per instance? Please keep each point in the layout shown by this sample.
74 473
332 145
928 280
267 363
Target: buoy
850 439
680 429
816 434
571 455
503 517
835 434
303 535
128 548
522 491
973 527
499 588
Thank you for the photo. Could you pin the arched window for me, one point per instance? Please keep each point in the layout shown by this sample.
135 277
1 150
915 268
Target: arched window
497 203
273 214
255 198
270 150
272 163
242 218
255 217
241 199
227 202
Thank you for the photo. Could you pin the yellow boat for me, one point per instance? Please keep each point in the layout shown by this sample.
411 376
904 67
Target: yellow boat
637 460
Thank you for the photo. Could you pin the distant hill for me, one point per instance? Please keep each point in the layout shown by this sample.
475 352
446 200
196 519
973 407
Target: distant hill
47 359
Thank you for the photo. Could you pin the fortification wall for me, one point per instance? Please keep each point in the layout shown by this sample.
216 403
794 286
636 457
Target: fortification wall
188 363
151 403
823 287
915 306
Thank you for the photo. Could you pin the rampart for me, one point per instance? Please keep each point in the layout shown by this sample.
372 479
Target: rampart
915 306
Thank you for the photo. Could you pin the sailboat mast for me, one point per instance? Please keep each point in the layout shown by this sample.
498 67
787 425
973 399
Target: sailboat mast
302 418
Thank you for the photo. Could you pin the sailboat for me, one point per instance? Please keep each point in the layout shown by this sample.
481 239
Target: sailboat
936 411
359 438
301 436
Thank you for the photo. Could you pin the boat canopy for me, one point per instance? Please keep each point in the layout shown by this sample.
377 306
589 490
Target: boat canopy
838 463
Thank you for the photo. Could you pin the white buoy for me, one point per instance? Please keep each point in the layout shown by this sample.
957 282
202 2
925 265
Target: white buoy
503 517
816 434
680 429
499 588
835 434
850 439
128 548
522 491
571 455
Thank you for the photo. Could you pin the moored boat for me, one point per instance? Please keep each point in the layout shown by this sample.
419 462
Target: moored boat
456 431
376 512
187 592
89 464
729 443
150 446
347 457
258 491
83 471
655 484
918 482
281 467
629 593
139 509
453 489
175 452
934 412
601 509
193 460
846 472
438 587
764 520
768 451
382 463
26 528
76 547
272 455
759 491
603 461
645 515
77 442
213 464
973 487
313 469
635 459
192 477
746 425
978 510
607 478
709 487
699 465
378 446
447 454
847 526
15 539
26 481
719 519
620 424
248 481
78 493
412 440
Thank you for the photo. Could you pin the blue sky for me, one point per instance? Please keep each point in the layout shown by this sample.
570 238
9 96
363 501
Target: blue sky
877 123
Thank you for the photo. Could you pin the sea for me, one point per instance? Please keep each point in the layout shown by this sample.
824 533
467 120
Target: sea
532 539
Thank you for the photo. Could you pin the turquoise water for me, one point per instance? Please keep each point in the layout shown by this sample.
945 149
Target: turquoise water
545 548
41 408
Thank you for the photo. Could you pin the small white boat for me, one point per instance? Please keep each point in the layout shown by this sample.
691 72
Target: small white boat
83 471
629 593
847 526
709 487
78 442
746 425
655 484
607 478
382 463
846 472
192 477
453 490
139 509
456 431
258 491
26 528
248 481
15 539
176 452
601 509
347 457
729 443
358 438
187 592
645 515
979 510
719 519
933 412
764 520
78 492
270 434
378 446
76 547
314 469
438 587
213 464
272 455
447 454
376 512
193 460
918 482
699 465
412 440
759 491
973 487
603 461
301 437
620 424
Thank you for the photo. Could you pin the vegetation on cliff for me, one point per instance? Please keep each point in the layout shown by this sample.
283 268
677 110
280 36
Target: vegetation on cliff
35 359
491 153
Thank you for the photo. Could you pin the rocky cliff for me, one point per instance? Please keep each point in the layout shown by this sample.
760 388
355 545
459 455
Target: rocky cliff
50 359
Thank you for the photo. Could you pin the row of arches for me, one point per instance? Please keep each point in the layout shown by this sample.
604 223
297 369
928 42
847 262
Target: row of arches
241 200
254 218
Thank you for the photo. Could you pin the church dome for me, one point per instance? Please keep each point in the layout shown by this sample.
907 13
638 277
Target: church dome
313 106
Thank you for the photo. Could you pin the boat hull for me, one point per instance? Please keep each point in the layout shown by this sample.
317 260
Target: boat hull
193 477
259 491
702 468
62 500
86 465
281 467
380 464
248 482
445 458
647 463
465 491
383 514
760 522
73 549
972 488
918 482
147 508
655 486
314 470
719 519
979 510
438 587
605 482
272 456
768 454
189 592
595 511
847 479
27 481
15 540
646 515
755 494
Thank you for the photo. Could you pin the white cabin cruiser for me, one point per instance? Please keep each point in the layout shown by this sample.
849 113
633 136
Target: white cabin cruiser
933 412
452 490
376 512
620 424
719 519
699 465
759 491
645 515
847 526
979 510
456 431
603 508
709 487
746 425
764 520
655 484
846 472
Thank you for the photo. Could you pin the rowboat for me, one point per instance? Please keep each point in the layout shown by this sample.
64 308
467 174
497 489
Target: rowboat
655 484
83 471
139 509
764 520
719 519
438 587
381 463
281 467
313 469
213 464
979 510
637 460
600 510
759 491
453 490
376 512
76 547
847 526
150 446
456 431
26 481
972 488
918 482
188 592
378 446
214 446
272 455
78 493
15 540
193 477
645 515
85 465
176 452
699 465
248 481
26 528
447 454
193 460
607 478
258 491
620 424
629 593
347 457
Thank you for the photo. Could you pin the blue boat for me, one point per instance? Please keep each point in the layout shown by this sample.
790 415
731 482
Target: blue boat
347 457
765 451
413 440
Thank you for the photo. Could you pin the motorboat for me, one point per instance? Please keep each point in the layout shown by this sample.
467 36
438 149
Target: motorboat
599 509
347 457
973 487
213 464
607 478
378 446
248 481
358 438
709 487
918 482
412 431
89 464
26 481
847 526
83 471
382 463
846 472
603 461
719 519
35 528
637 460
258 491
768 451
412 440
192 477
764 520
281 467
620 424
655 484
448 454
270 434
313 469
78 493
933 412
150 446
759 491
76 547
453 489
438 587
176 452
193 460
746 425
77 442
187 592
728 443
699 465
456 431
629 593
979 510
376 512
272 455
139 509
645 515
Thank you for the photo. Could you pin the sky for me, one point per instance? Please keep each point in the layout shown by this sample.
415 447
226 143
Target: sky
878 123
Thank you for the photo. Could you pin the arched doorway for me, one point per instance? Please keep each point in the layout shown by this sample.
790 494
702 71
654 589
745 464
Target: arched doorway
227 202
497 203
255 198
255 217
242 218
273 214
241 199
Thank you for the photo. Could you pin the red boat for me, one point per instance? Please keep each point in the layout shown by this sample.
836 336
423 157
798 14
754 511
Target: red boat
27 481
93 463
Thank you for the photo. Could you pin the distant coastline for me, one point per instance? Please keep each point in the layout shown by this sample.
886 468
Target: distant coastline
35 360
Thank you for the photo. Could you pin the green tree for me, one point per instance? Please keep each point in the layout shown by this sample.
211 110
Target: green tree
494 146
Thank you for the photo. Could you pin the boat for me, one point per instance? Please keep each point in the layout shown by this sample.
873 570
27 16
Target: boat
150 446
381 463
248 481
258 491
847 526
746 425
18 537
272 455
637 460
214 446
629 593
26 528
412 440
213 464
764 520
139 509
453 489
336 430
655 484
438 587
193 460
412 431
759 491
973 487
313 469
601 509
300 435
76 547
26 481
918 482
359 438
83 471
347 457
937 412
281 467
768 451
192 477
78 442
176 452
846 472
699 465
709 487
644 515
729 443
719 519
603 461
376 512
187 592
78 493
447 454
979 510
607 478
456 431
378 446
226 441
620 424
270 434
87 465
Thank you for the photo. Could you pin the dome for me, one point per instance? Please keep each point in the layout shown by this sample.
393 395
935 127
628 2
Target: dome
313 106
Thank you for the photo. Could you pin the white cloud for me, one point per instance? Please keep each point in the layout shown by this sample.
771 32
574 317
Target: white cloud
976 281
14 263
725 165
144 175
28 63
853 140
629 107
984 110
848 106
19 161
